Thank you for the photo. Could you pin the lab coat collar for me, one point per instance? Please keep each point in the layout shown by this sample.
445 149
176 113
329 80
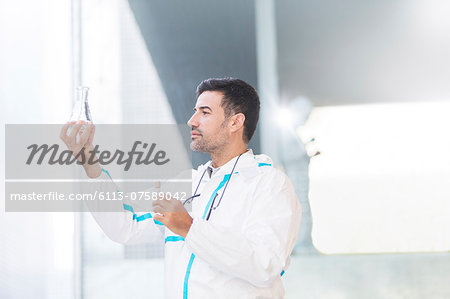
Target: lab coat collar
246 162
227 167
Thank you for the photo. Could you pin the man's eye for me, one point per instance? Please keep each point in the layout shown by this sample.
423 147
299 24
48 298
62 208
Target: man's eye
204 112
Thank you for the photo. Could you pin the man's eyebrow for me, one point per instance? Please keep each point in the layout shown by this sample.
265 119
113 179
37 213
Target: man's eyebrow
203 108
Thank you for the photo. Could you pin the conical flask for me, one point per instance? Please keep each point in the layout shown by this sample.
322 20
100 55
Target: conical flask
80 110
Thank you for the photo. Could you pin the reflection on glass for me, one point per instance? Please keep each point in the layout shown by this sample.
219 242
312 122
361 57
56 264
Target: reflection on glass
80 110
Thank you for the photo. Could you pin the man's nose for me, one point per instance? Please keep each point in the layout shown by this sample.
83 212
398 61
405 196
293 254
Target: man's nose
192 122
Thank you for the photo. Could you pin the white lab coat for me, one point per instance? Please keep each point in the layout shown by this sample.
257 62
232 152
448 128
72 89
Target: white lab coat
242 251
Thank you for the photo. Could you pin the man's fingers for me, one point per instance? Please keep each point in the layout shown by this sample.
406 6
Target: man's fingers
75 130
159 218
64 129
163 206
157 208
85 134
91 135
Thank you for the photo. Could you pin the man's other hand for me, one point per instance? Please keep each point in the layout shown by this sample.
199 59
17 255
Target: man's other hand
173 215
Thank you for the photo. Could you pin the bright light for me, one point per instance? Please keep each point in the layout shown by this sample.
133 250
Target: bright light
284 117
376 187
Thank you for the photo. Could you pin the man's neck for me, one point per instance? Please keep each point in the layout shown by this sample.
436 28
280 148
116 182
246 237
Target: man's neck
221 158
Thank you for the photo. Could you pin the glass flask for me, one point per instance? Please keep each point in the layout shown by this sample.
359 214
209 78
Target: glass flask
80 110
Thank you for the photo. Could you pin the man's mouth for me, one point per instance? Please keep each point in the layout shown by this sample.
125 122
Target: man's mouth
195 133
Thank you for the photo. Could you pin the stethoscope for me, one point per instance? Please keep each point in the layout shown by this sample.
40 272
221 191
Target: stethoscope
190 199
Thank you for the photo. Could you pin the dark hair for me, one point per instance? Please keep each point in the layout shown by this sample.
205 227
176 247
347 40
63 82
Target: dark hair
238 97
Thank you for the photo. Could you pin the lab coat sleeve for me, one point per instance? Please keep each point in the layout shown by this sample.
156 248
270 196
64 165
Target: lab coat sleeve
125 226
258 253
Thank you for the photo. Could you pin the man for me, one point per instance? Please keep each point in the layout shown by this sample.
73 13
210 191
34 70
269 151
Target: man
245 216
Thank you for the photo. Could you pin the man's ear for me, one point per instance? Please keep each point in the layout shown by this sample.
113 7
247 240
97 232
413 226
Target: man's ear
237 122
